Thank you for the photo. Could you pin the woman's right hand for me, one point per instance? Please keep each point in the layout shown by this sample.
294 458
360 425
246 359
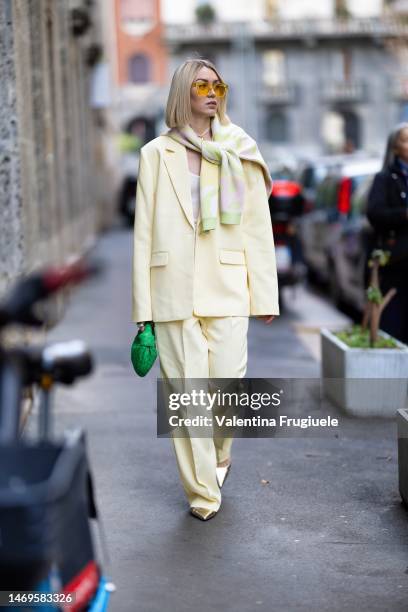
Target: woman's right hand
141 324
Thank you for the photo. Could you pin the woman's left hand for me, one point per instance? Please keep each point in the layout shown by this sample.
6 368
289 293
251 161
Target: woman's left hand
266 318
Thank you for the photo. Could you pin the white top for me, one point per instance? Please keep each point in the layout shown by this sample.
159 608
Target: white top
195 194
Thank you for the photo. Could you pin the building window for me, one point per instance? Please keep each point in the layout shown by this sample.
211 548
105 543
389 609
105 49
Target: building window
131 11
341 131
342 64
352 131
347 64
139 69
137 17
276 126
274 71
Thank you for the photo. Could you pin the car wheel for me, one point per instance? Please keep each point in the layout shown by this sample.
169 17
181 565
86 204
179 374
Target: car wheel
130 210
127 201
311 276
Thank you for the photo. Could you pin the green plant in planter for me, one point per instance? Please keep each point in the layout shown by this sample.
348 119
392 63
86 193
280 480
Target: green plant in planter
358 337
376 302
366 334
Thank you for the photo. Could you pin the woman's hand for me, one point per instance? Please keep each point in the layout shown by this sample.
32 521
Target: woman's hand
142 324
266 318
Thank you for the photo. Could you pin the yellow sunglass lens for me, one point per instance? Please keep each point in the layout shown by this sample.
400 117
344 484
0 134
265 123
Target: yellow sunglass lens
220 90
203 89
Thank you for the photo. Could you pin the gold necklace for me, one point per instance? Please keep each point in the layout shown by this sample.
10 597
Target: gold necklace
204 133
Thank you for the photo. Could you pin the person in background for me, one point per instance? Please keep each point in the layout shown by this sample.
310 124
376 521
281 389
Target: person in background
387 211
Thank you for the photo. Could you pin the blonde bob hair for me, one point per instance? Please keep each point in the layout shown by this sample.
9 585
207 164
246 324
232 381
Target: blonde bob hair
178 107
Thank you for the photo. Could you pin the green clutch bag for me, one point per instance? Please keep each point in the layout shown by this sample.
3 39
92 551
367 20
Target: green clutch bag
144 352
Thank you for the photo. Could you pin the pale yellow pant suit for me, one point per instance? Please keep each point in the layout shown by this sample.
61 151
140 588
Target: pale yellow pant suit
235 270
202 347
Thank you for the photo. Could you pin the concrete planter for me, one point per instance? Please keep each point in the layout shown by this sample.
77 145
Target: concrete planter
402 421
364 382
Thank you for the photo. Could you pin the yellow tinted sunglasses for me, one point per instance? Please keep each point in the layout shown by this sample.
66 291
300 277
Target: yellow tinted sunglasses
203 88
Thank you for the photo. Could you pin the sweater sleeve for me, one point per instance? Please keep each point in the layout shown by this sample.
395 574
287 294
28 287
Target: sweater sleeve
379 213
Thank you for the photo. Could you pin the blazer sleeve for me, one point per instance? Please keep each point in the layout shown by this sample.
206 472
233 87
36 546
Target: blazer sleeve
379 213
259 245
142 241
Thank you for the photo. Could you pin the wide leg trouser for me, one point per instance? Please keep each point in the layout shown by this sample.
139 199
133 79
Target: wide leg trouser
202 347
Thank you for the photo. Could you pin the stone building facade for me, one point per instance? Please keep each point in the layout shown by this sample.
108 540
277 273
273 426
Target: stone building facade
302 82
49 203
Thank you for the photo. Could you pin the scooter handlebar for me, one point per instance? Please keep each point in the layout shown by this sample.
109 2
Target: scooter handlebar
17 306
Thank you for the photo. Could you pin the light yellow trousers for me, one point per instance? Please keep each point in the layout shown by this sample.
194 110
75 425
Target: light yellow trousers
202 347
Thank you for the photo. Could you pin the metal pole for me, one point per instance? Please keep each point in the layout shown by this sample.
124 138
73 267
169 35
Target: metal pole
10 402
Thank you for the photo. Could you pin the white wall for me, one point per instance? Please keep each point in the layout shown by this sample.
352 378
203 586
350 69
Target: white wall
365 8
300 9
177 11
183 11
239 10
304 9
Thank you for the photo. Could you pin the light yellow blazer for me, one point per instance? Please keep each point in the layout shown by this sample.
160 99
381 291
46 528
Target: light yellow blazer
178 272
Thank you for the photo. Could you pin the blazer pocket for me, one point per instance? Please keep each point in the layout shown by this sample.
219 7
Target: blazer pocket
159 258
232 257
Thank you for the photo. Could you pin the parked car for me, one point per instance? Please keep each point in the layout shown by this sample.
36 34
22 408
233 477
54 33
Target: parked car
350 251
335 233
311 172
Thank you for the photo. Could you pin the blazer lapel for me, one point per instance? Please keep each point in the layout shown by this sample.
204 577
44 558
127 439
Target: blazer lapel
175 158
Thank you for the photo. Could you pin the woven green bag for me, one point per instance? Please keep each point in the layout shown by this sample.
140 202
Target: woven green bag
144 352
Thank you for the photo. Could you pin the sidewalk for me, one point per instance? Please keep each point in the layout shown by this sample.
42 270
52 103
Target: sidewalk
305 525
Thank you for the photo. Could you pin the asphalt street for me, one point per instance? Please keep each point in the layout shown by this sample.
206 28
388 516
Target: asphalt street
306 524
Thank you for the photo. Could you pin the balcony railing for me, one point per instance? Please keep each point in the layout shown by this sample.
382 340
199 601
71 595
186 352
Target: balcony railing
330 28
279 94
343 91
288 29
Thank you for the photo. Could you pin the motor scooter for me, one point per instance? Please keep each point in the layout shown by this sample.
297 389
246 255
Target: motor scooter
286 205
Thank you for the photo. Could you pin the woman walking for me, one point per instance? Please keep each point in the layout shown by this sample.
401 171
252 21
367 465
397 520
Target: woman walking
204 257
387 212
